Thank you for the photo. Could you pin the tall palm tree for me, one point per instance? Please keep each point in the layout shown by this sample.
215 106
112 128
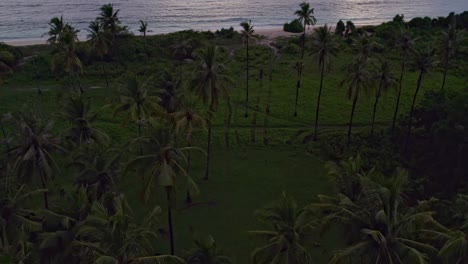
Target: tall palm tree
357 77
170 90
210 84
306 16
136 102
423 61
386 80
325 48
363 46
32 149
161 168
100 42
66 55
289 237
387 232
449 41
404 43
247 36
110 19
186 119
143 28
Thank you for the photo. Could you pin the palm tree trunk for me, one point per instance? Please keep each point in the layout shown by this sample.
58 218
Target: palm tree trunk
267 108
377 96
208 151
79 85
169 218
403 64
318 101
352 114
247 82
105 75
410 121
228 121
188 199
445 76
43 183
298 85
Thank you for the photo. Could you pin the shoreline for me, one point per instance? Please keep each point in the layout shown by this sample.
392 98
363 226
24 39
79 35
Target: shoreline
267 32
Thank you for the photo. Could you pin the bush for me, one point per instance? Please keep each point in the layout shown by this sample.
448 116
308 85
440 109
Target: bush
226 33
294 27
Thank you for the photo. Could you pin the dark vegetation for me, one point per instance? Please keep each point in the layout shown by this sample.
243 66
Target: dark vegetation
131 149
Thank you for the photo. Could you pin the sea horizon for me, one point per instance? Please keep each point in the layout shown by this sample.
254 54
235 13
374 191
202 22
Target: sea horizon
23 21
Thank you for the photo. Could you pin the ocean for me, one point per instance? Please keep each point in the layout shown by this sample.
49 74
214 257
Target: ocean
27 19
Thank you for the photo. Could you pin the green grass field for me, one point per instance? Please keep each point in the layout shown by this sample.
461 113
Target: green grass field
248 175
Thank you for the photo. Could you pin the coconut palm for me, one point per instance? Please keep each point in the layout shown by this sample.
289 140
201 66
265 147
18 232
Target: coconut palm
182 51
66 56
161 168
32 149
404 43
78 113
210 84
363 46
136 103
205 252
388 234
247 36
15 221
423 61
186 119
170 91
306 16
114 235
97 170
357 77
386 80
57 26
110 19
325 48
143 28
449 42
100 42
290 237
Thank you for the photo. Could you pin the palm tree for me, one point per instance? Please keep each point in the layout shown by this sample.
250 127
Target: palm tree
206 252
405 43
306 16
161 168
143 28
66 55
423 61
136 103
363 46
98 169
170 91
16 220
100 42
210 84
32 149
325 47
247 36
455 249
56 28
182 51
77 112
449 41
113 235
289 238
387 232
357 77
386 80
186 119
110 20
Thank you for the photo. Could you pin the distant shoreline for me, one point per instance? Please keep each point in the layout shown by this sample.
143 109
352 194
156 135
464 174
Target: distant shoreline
268 32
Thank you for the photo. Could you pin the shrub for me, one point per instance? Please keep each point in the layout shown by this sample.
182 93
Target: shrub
294 26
